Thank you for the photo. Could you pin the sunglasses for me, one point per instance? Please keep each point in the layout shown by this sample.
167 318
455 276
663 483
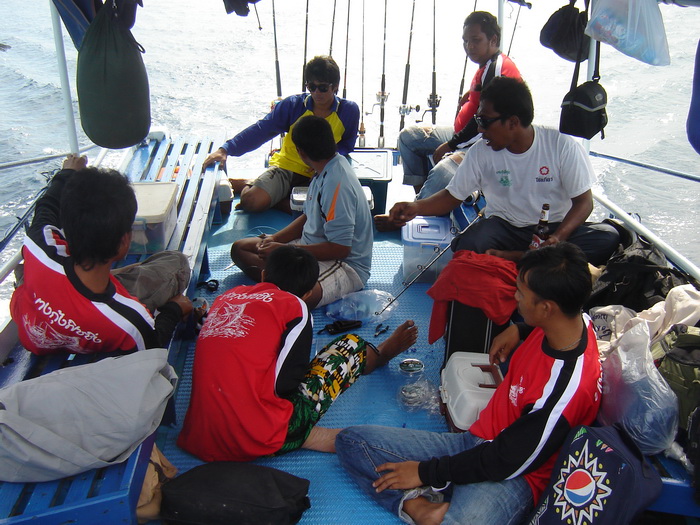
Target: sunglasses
323 88
484 123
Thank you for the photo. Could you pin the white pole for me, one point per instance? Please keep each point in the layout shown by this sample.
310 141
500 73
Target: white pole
63 73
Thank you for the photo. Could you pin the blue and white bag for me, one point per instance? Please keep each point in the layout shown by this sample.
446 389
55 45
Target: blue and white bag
600 477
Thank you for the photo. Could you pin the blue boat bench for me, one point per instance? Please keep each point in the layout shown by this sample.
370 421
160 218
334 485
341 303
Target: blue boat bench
109 495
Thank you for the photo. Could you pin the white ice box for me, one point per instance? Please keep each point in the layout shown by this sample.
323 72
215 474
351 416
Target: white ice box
423 238
156 216
467 384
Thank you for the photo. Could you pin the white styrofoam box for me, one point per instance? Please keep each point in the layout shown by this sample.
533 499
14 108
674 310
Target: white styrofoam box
423 238
298 197
468 382
156 216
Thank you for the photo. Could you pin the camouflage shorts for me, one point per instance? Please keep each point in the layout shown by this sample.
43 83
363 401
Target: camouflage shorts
330 374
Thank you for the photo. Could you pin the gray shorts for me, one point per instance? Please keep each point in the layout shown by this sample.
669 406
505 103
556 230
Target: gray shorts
278 183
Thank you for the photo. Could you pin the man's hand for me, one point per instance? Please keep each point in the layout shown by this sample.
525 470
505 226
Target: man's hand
551 241
503 344
442 150
185 304
398 476
74 162
267 245
402 212
463 99
219 155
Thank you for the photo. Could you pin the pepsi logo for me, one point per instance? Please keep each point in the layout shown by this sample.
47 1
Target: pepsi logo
579 488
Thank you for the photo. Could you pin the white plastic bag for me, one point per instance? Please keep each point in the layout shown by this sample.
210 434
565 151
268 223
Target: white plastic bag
636 395
633 27
363 306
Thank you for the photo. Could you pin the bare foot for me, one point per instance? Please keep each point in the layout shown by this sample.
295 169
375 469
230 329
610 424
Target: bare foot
321 439
425 512
403 338
384 224
237 185
504 254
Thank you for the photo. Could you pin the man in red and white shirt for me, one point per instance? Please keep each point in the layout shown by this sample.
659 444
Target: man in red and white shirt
68 299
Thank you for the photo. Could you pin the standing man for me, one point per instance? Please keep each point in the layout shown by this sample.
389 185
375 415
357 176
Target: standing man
335 226
518 167
482 41
287 169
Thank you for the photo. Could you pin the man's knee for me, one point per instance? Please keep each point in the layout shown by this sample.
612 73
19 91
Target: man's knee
241 246
254 199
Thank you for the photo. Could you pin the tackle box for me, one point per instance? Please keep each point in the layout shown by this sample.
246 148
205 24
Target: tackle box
156 216
467 384
423 239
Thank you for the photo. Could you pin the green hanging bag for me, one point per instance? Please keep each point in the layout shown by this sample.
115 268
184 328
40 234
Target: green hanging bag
113 94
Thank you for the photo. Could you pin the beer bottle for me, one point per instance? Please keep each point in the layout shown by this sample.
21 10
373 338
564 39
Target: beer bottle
541 232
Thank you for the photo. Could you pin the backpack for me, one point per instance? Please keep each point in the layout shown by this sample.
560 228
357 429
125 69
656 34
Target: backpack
564 33
600 477
679 352
636 277
583 108
225 492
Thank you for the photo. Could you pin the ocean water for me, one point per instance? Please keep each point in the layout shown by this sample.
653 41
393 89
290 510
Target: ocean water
210 72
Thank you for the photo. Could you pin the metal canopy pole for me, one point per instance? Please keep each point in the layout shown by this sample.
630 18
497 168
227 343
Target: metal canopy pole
63 73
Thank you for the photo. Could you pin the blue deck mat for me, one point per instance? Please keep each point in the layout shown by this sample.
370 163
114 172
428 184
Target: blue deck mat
372 399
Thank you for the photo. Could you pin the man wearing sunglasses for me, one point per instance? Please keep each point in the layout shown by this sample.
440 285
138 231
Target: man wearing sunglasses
272 188
518 167
482 40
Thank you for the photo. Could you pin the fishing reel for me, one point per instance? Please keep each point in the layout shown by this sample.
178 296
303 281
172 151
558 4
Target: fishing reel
406 110
433 104
382 97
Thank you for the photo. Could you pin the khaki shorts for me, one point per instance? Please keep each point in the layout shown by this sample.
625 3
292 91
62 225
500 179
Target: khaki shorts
337 279
278 183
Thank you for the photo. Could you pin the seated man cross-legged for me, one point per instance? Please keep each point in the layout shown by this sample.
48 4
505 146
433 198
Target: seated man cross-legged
495 472
519 167
335 226
254 392
69 298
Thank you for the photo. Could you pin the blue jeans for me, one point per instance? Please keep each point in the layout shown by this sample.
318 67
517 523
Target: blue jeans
361 449
416 143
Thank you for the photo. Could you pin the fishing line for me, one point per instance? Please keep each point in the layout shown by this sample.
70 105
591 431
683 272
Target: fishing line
347 45
403 108
255 6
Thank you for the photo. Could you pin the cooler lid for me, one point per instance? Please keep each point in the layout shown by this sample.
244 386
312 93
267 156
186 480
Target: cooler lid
427 229
155 200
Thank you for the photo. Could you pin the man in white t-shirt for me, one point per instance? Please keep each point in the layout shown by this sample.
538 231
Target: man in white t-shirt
519 167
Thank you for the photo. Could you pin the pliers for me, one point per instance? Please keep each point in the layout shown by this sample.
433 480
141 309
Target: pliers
381 328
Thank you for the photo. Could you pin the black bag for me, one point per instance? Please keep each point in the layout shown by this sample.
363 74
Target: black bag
564 33
600 477
112 84
469 330
583 109
222 493
636 277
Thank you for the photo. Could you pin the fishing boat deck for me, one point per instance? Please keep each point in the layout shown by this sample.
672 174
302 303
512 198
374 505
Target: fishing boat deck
371 400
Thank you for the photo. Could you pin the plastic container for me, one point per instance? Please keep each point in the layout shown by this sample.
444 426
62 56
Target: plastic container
468 383
156 216
423 238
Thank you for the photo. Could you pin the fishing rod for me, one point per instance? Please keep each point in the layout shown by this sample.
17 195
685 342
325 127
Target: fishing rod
461 85
361 130
306 42
403 108
330 50
520 3
347 45
433 98
277 60
382 95
425 268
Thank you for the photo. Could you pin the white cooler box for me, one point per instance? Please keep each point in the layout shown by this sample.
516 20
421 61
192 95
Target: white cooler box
156 216
423 238
468 382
